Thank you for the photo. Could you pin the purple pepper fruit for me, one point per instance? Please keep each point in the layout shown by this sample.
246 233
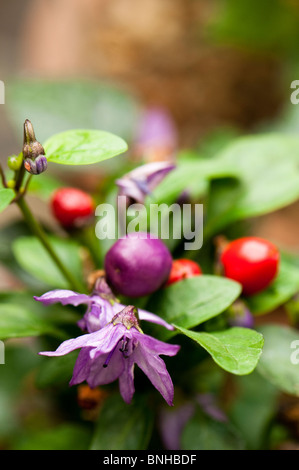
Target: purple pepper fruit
138 264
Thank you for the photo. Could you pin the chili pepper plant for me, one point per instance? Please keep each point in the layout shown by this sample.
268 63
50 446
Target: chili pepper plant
131 341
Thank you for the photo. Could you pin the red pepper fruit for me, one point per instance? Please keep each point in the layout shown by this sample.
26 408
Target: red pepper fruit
251 261
182 269
72 207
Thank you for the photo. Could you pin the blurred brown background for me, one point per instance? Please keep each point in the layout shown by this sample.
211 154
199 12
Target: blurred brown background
157 48
162 52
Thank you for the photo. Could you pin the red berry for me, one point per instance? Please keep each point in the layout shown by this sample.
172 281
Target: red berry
251 261
72 207
182 269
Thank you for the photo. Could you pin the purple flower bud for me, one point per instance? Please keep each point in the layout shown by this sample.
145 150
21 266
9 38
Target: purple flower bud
240 315
37 166
35 161
141 181
137 265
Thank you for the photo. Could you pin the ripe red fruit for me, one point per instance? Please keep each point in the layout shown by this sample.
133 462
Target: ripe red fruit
251 261
182 269
72 207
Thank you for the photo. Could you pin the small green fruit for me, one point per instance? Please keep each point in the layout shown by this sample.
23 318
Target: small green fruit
14 162
11 184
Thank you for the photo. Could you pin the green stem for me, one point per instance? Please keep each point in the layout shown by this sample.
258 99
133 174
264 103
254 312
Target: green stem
39 232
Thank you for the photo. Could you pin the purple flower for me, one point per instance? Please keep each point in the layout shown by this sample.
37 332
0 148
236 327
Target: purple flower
240 315
209 405
172 422
156 136
112 352
102 305
141 181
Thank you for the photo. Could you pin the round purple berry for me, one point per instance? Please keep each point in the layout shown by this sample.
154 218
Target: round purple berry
138 264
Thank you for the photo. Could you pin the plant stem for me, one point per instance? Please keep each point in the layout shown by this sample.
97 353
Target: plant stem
19 177
41 235
3 177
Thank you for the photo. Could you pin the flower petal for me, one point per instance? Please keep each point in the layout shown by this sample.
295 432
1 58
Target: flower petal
99 314
129 188
143 179
70 345
151 317
103 340
100 375
160 172
65 297
126 381
82 367
154 346
155 369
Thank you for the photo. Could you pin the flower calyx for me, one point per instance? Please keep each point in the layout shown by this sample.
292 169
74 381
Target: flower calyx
128 317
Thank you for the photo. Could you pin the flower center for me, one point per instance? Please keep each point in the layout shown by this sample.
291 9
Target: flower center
127 317
126 348
108 358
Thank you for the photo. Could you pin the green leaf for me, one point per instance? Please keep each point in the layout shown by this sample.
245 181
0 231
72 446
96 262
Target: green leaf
56 370
17 321
33 258
253 408
279 361
280 291
193 175
236 350
8 234
20 361
56 314
195 300
67 436
83 147
203 433
268 168
6 196
123 427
